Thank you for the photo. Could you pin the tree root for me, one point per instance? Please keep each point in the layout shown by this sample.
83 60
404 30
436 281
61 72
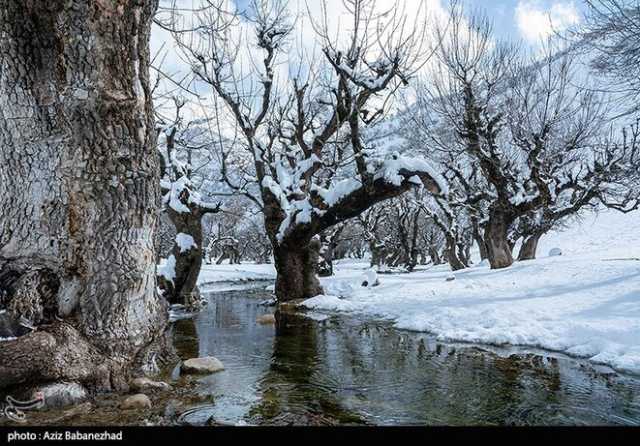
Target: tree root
58 352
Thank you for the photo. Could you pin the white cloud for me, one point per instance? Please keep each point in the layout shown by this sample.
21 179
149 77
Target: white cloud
537 20
304 47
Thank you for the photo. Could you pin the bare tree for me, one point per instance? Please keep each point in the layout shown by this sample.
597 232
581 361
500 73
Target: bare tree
451 222
309 179
530 130
371 223
329 240
186 208
560 129
79 192
612 30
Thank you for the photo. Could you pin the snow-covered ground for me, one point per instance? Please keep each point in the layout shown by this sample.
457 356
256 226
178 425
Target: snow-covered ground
239 274
585 303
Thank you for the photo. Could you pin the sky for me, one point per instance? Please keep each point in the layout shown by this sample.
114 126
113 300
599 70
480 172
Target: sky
528 21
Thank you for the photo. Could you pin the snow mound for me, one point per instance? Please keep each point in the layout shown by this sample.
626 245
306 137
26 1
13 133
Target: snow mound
555 252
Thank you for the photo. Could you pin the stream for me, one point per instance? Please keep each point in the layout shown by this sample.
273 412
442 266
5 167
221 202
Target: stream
323 369
343 370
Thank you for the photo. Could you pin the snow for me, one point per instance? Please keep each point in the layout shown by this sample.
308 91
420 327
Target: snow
555 252
391 168
172 198
167 268
338 191
243 273
370 278
185 242
585 303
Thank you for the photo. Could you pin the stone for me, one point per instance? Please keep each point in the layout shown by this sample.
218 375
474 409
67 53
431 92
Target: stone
269 302
62 394
266 319
143 384
451 278
202 366
139 401
555 252
73 412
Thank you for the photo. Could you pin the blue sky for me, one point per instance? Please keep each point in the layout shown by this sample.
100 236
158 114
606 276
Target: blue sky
517 18
525 20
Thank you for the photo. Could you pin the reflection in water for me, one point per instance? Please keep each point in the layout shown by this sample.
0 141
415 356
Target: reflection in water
345 371
291 392
185 338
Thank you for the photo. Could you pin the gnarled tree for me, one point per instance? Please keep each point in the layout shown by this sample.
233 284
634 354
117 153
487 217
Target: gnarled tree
186 208
527 126
308 179
78 192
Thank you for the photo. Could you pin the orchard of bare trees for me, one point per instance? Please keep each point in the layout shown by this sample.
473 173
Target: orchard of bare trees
399 137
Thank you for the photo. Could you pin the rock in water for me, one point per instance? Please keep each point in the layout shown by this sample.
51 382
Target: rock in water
451 278
139 401
555 252
202 366
266 319
269 302
60 395
142 384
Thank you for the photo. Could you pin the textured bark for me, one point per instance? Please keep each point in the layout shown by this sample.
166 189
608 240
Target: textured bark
78 182
296 267
529 247
456 262
496 238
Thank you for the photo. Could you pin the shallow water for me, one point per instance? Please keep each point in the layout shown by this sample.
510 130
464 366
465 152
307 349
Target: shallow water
339 370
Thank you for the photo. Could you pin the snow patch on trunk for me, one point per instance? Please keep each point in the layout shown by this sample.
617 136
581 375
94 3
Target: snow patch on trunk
185 242
168 269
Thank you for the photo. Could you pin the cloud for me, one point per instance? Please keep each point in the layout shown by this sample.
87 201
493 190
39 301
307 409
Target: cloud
537 20
304 48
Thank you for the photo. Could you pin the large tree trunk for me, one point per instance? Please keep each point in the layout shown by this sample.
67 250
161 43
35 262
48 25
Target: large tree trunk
181 285
296 266
529 247
496 238
78 189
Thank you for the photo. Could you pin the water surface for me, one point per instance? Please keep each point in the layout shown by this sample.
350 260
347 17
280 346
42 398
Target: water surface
342 370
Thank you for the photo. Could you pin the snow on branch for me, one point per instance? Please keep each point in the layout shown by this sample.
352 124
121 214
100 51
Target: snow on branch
394 171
